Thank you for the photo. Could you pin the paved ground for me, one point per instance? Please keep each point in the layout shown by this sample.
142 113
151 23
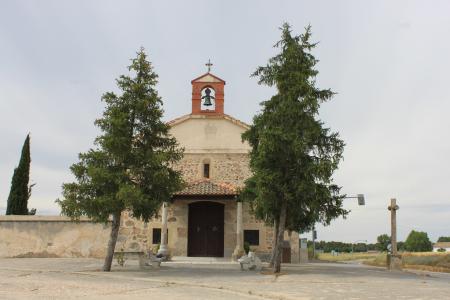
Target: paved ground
58 278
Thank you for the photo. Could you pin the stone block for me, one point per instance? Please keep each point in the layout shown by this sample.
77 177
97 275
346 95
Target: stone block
394 262
182 232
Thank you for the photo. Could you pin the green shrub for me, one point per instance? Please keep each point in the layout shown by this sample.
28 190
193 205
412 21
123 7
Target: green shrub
120 257
418 241
246 247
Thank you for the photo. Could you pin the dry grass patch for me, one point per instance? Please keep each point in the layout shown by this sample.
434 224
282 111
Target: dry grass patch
346 256
429 261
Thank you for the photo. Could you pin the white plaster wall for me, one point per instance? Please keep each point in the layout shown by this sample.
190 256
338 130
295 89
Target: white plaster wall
200 134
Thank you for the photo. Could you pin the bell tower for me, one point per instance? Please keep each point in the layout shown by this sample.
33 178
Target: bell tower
208 94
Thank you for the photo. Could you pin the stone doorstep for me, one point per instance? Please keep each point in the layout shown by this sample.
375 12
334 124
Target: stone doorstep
201 260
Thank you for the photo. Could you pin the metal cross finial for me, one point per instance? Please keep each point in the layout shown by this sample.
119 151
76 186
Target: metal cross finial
209 65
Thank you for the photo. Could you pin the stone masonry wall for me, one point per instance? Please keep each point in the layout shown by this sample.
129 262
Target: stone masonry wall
230 168
58 236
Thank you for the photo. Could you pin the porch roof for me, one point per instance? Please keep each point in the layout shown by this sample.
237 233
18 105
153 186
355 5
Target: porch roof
207 188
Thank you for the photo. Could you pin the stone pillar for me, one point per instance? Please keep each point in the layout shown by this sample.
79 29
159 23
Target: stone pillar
163 249
239 250
394 260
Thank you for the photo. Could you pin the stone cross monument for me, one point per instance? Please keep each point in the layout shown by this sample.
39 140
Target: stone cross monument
394 261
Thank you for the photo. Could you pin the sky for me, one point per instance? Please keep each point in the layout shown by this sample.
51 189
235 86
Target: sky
387 61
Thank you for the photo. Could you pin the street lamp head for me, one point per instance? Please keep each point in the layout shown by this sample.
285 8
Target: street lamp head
361 200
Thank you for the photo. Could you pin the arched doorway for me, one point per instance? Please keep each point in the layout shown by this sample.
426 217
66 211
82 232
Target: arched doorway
205 229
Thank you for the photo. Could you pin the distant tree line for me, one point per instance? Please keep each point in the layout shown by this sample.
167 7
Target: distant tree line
416 241
443 239
342 247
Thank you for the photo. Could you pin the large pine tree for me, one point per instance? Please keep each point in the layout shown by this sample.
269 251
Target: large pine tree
293 154
20 191
130 169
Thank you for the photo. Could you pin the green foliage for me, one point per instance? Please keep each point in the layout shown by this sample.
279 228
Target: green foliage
130 168
120 257
311 252
340 246
20 191
293 154
418 241
382 242
441 250
246 247
443 239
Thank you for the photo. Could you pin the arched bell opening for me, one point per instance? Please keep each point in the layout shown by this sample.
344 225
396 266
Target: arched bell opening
208 98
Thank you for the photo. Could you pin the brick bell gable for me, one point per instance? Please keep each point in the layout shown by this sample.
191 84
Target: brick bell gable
213 82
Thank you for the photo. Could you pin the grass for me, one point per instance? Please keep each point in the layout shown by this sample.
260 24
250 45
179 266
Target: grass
379 260
430 261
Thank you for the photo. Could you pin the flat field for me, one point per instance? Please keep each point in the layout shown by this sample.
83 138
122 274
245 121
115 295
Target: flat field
430 261
347 256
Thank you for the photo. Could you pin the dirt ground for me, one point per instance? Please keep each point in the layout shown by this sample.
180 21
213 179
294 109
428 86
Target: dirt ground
59 278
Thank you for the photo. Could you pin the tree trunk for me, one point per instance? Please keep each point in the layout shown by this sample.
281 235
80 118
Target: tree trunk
280 238
112 242
274 242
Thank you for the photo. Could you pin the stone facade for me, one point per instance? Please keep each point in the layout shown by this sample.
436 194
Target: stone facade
214 138
209 137
230 168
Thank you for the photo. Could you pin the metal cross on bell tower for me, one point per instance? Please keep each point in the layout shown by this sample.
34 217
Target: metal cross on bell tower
209 65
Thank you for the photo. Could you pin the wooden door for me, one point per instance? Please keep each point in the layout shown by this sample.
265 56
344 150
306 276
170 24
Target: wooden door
286 254
206 229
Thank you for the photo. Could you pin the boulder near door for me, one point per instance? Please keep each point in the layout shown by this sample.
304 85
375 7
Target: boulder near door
206 229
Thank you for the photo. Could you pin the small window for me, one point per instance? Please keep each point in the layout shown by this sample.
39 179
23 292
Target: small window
206 170
156 235
251 237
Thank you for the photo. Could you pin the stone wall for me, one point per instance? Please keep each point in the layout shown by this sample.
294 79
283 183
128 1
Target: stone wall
133 234
57 236
137 235
230 168
51 236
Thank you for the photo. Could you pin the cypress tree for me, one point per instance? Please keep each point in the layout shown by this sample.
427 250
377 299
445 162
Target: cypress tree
19 193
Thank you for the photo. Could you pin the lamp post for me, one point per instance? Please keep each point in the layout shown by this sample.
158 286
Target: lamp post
360 197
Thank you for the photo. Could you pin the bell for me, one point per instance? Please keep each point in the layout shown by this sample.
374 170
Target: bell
207 97
207 101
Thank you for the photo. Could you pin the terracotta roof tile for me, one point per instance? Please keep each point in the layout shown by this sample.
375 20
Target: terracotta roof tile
224 116
206 187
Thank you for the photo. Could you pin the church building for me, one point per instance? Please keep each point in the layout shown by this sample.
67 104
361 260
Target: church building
205 219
